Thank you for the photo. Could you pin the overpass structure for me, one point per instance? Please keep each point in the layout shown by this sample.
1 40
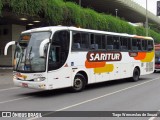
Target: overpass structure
127 9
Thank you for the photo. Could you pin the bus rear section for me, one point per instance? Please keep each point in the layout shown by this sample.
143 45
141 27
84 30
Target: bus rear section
157 57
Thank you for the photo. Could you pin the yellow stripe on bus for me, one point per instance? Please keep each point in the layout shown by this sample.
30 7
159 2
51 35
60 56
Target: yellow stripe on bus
107 68
149 57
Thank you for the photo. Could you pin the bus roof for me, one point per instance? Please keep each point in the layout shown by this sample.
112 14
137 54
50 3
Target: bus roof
53 28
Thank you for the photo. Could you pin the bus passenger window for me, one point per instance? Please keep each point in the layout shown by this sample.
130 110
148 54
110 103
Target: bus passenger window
100 41
103 41
76 41
150 45
144 45
139 44
52 55
134 45
59 50
93 44
109 45
116 43
124 43
80 41
85 40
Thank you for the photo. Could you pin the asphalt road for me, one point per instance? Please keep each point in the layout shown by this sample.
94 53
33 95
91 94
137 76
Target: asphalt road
119 95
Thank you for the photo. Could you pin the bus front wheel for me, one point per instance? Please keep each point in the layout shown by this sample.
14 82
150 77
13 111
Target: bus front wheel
136 74
79 83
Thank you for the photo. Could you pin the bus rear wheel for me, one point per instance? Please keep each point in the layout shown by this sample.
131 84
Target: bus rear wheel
136 74
79 83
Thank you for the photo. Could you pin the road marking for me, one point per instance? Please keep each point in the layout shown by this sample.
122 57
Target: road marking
152 118
1 90
96 98
105 95
14 100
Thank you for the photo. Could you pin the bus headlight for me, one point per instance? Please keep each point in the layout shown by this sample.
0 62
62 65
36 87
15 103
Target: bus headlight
39 79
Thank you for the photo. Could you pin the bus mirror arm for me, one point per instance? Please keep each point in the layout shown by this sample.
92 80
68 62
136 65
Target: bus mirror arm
41 48
7 46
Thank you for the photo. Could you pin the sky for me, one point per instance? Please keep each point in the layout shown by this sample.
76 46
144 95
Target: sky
152 5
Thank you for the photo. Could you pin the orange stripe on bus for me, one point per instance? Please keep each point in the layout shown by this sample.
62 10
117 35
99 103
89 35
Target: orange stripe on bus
94 64
140 56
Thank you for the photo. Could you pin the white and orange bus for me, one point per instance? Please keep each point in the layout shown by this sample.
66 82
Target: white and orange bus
58 56
157 57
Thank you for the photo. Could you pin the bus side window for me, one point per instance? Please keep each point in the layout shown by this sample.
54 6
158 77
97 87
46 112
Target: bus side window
129 44
144 45
109 43
93 45
124 43
150 45
116 44
139 44
84 40
76 41
53 57
103 41
100 41
59 50
134 45
80 41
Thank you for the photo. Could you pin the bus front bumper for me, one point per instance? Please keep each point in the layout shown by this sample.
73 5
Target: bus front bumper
30 84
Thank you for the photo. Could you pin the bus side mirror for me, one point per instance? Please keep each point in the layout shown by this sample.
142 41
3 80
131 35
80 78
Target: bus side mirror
7 46
41 48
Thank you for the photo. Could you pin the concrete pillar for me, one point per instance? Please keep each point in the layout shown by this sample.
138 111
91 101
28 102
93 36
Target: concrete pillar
16 31
8 33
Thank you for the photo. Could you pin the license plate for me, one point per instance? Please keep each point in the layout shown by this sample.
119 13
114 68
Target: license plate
24 84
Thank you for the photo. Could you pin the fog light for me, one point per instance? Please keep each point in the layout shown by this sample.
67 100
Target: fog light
42 86
39 79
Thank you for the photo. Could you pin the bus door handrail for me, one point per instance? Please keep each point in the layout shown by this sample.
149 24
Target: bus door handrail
8 45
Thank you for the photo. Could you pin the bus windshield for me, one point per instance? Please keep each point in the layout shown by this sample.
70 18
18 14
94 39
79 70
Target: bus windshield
27 58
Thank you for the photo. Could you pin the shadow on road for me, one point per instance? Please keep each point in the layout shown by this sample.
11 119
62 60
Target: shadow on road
67 91
157 72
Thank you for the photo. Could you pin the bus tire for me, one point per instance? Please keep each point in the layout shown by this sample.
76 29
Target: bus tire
136 74
79 83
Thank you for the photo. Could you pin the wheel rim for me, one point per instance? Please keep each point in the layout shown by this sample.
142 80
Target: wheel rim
78 83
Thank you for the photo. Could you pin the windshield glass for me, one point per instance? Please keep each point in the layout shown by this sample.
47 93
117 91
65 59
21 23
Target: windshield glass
157 56
27 58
